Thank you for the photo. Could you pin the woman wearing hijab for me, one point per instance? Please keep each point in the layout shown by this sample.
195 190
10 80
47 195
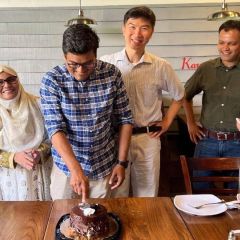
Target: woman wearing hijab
25 157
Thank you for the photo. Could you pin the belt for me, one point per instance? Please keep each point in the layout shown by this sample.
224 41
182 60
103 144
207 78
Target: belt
221 136
139 130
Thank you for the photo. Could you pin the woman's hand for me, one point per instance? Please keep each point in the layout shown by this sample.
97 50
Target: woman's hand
35 154
27 159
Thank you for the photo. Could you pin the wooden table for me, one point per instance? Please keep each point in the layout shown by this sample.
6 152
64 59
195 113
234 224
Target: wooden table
24 220
141 218
212 227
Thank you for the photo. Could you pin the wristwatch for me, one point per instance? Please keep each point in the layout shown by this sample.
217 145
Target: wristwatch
123 163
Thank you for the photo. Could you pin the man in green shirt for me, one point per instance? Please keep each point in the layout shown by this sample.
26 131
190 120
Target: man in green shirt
219 79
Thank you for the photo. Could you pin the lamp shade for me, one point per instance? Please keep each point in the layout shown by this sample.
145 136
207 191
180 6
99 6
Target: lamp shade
224 14
80 19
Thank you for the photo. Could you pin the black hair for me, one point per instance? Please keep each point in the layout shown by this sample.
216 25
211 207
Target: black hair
140 12
229 25
79 39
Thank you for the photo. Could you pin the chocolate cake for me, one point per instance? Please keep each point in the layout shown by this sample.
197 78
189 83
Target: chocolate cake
90 220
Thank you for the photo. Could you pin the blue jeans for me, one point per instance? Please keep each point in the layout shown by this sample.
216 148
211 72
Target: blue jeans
209 147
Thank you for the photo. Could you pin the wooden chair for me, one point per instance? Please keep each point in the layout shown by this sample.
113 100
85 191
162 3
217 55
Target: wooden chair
190 164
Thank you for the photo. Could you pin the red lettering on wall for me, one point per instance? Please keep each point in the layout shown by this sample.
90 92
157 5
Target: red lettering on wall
187 65
195 65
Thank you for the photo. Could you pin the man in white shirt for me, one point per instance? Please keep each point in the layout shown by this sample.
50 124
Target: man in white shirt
145 77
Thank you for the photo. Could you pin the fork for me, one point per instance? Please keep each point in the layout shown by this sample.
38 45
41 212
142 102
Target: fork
206 204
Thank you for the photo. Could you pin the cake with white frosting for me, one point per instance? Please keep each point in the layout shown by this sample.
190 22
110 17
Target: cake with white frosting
90 220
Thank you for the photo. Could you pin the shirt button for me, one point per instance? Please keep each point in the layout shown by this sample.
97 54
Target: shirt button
222 104
224 87
221 121
226 70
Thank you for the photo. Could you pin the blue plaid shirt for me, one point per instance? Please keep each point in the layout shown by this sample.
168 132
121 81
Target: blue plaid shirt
87 112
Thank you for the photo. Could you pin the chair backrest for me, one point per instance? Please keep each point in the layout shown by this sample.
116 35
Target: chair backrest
216 165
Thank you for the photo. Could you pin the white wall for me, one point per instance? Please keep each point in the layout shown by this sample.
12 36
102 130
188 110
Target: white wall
30 38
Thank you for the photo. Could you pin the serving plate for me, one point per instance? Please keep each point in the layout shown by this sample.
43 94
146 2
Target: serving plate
115 226
186 203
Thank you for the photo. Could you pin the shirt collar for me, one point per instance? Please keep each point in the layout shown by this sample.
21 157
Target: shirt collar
219 63
122 56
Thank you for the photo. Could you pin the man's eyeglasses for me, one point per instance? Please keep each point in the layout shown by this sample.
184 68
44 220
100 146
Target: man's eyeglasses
88 65
9 80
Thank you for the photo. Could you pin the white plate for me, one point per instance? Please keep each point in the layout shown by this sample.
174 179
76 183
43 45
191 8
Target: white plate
185 203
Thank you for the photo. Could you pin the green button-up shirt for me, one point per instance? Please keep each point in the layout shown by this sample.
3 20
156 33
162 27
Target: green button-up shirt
221 94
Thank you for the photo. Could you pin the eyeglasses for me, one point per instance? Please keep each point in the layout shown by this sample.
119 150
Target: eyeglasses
9 80
88 65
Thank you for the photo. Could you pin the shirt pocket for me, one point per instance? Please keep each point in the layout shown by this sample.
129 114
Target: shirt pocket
151 94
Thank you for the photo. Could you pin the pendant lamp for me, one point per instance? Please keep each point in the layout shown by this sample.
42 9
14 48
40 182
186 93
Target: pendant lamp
80 19
224 14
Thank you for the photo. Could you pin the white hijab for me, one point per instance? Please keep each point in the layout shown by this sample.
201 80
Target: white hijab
21 121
